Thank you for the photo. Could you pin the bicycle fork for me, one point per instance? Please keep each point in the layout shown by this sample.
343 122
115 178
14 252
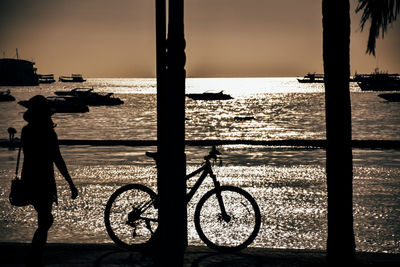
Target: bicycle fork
224 214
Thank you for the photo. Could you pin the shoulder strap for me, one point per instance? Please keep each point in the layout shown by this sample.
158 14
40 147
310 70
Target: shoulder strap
19 155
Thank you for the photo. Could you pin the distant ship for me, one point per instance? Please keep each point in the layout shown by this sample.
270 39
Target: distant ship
46 78
392 97
90 98
209 96
74 78
378 81
17 72
312 78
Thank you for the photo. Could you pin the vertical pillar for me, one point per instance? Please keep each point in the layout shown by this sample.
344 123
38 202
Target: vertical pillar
339 164
171 75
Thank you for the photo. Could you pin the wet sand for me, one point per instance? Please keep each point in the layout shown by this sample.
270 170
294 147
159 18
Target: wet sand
15 254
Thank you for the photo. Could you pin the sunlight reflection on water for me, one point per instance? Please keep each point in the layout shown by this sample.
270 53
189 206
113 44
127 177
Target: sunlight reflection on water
281 108
288 183
292 200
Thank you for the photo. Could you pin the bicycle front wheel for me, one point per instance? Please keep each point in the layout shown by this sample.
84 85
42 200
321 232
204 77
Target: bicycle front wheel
231 233
131 216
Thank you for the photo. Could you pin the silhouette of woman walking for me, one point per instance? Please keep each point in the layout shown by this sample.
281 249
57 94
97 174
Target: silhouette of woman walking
41 150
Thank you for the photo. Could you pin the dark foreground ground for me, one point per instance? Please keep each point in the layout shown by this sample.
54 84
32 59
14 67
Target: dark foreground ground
14 254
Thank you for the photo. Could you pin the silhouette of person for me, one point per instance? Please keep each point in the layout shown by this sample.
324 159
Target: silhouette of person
41 150
11 133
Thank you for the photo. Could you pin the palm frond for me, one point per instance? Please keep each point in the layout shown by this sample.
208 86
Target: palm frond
380 13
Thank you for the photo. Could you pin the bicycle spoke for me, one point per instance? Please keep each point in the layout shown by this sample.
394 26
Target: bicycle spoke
238 229
131 218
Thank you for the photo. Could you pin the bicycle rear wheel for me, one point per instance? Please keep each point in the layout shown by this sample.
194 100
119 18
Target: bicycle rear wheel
235 233
131 216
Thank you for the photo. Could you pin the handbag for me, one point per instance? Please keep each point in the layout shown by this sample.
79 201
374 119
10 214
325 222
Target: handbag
18 193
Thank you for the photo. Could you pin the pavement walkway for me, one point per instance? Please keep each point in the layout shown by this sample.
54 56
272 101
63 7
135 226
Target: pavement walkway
15 254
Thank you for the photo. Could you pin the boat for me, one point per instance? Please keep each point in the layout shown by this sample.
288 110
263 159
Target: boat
378 81
17 72
312 78
63 104
46 78
387 85
74 78
90 98
6 96
80 91
376 75
67 104
210 96
245 118
391 97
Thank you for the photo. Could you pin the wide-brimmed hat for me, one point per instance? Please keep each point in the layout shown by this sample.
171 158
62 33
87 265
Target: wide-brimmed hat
38 107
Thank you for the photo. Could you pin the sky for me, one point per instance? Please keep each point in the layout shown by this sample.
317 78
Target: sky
225 38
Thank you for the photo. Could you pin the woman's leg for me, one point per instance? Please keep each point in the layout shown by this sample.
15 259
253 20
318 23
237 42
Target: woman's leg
45 221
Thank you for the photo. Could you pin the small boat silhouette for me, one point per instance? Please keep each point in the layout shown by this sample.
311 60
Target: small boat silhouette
392 97
209 96
63 104
74 78
91 98
6 96
312 78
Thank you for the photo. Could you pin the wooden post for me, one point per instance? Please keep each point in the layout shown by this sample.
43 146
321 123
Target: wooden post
339 165
171 75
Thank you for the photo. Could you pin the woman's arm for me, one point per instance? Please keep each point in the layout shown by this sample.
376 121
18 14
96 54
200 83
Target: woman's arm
62 167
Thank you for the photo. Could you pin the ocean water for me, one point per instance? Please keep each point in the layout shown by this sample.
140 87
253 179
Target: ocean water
288 183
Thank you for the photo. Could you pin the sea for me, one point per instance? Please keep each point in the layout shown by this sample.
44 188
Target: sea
288 183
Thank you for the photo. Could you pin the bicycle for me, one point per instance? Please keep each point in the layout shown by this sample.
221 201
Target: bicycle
227 218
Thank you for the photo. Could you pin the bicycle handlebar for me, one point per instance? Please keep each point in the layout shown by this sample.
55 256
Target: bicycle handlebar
213 154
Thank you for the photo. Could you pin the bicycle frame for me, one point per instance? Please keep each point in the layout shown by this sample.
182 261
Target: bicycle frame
204 170
207 170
